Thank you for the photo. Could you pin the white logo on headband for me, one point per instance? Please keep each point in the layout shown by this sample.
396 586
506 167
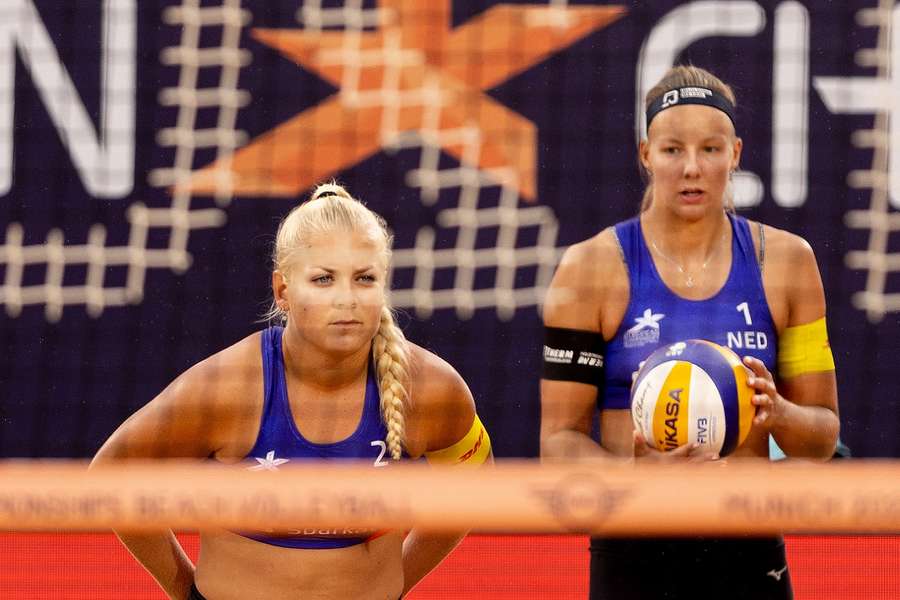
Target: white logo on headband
670 98
695 92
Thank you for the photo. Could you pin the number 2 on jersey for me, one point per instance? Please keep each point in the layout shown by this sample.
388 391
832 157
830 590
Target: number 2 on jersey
380 462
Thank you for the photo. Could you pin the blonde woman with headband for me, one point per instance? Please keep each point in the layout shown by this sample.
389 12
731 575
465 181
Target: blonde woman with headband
335 380
688 267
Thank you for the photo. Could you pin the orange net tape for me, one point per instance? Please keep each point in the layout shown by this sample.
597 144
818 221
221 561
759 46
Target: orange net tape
607 497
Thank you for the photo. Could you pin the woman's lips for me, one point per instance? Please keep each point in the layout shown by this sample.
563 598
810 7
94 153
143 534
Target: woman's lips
692 195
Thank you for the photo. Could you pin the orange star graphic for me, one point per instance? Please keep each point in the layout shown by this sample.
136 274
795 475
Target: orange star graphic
414 74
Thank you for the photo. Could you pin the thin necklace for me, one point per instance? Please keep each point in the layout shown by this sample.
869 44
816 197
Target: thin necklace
689 277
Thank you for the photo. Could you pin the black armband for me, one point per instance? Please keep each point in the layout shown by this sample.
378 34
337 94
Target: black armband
573 355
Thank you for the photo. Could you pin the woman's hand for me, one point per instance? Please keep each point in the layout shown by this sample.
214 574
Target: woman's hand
689 452
634 373
767 400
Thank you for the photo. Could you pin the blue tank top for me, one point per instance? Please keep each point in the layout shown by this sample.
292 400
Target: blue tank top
737 316
279 442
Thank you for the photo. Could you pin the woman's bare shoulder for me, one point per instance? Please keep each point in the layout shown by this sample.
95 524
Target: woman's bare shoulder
781 242
229 370
591 281
594 255
434 380
791 278
205 411
441 406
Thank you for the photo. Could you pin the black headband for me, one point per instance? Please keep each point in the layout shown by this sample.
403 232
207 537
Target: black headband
690 95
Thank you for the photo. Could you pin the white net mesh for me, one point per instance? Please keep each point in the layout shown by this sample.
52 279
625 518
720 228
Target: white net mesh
878 219
471 181
179 218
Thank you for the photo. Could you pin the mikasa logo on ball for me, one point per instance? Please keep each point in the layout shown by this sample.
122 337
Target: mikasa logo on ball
673 407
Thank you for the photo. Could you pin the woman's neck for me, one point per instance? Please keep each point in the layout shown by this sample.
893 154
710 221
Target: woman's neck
313 366
686 241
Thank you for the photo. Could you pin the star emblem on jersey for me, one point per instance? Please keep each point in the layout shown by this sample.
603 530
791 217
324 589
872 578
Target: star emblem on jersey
269 463
412 75
646 330
650 319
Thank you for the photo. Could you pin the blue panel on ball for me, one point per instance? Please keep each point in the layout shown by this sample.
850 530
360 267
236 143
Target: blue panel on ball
718 368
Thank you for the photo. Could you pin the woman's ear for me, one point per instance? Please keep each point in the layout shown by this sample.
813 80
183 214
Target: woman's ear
280 289
737 147
644 155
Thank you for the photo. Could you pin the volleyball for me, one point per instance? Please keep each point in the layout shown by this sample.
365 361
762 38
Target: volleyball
693 391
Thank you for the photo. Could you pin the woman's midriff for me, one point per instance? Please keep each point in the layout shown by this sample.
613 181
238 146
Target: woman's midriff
232 567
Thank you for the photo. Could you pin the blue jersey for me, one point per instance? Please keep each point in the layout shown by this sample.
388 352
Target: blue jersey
737 316
280 442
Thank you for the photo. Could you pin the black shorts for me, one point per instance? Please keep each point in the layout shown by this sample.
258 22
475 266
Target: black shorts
195 593
696 568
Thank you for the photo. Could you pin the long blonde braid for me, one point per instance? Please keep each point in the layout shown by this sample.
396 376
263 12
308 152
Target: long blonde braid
391 354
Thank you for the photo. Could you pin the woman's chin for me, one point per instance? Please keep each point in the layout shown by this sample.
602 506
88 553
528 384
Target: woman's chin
694 210
347 342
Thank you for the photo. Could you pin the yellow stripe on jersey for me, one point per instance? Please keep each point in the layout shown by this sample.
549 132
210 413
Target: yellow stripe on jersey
804 349
472 450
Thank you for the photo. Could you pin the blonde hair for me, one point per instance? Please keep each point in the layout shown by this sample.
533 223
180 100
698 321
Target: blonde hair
331 208
677 77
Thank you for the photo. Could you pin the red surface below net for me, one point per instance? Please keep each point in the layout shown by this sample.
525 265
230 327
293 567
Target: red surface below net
97 567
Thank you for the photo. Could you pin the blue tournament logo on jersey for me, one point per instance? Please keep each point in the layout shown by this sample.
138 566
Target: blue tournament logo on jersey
646 331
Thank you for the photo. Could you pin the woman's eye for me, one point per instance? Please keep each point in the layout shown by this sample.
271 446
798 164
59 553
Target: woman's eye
322 279
712 148
367 278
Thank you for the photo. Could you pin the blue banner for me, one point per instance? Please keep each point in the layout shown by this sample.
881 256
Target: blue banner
148 150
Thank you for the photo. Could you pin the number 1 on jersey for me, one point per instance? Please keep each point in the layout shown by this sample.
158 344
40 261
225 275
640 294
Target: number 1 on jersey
745 308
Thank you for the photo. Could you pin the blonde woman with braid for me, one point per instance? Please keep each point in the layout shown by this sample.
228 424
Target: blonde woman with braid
337 380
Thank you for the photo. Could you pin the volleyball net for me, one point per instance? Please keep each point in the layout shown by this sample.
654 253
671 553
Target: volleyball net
529 521
726 497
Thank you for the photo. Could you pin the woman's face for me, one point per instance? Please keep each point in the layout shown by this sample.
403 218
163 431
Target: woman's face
333 291
690 152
